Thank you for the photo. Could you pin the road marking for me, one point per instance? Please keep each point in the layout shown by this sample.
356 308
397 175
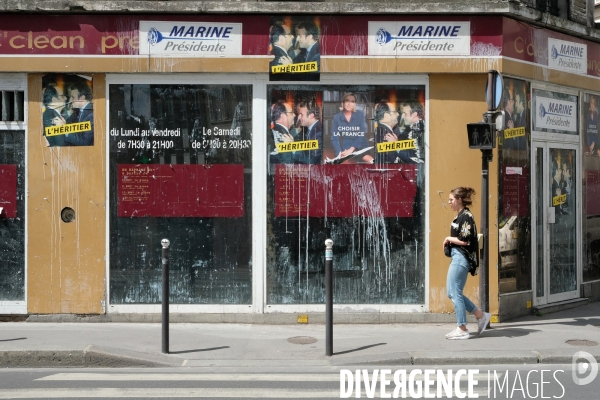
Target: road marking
192 377
166 393
219 377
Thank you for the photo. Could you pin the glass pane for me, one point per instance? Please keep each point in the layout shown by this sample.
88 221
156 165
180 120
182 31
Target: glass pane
180 168
591 162
12 219
563 267
346 163
514 239
539 222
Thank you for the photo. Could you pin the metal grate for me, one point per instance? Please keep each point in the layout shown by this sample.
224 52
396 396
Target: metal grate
302 340
13 105
578 342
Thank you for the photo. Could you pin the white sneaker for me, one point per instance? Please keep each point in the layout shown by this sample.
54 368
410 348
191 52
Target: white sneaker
483 322
453 332
458 334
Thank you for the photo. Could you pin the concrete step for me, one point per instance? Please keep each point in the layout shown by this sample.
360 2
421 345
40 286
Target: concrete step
560 306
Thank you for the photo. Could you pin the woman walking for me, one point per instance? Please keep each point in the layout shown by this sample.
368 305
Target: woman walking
463 247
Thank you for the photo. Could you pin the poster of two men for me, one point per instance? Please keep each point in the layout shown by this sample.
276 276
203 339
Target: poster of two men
67 110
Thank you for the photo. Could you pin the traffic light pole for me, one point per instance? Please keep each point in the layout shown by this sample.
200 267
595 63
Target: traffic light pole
482 136
484 268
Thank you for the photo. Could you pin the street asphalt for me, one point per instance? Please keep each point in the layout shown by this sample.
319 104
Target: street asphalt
546 339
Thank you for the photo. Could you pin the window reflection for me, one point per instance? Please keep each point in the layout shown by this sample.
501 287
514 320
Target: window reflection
333 175
514 241
180 168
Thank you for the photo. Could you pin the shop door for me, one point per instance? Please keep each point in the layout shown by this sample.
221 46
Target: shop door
556 257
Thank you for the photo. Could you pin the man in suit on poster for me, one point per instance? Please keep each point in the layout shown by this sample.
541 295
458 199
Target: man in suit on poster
54 103
591 128
386 117
414 129
282 118
281 40
509 109
557 187
307 36
309 115
520 119
81 99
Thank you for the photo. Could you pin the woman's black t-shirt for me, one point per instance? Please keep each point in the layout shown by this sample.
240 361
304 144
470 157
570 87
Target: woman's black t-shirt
463 227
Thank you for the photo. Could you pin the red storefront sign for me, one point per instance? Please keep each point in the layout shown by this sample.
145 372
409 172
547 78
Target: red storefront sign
182 190
524 42
8 190
341 35
345 190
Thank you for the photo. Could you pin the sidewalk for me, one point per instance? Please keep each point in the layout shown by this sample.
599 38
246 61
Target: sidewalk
528 340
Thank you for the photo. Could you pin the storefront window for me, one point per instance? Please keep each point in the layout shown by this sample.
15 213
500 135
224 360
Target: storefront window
591 165
12 215
180 168
346 163
514 241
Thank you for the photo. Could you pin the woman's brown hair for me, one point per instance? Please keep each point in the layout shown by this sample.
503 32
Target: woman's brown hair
463 193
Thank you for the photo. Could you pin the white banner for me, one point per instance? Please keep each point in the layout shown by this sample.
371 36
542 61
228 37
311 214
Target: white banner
419 38
556 114
192 39
567 56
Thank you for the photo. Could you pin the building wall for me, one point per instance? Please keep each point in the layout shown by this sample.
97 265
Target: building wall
66 261
453 104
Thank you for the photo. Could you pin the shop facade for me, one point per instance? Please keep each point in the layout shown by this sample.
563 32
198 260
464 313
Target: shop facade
123 130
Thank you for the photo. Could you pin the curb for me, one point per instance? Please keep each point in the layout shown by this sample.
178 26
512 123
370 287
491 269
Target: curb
340 317
562 356
90 357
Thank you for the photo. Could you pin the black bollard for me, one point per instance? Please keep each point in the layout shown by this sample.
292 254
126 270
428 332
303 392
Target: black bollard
165 295
329 297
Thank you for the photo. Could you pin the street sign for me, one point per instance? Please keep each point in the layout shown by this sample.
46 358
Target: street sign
481 135
493 90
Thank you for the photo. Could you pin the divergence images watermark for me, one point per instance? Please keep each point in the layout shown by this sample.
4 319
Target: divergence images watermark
438 383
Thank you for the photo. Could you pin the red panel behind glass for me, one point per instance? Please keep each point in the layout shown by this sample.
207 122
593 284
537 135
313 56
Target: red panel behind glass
344 190
180 190
8 190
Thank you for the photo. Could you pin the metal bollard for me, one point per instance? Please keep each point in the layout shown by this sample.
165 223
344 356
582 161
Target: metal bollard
329 297
165 295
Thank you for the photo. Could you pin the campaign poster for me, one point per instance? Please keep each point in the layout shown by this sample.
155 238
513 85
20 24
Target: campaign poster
515 104
344 125
563 184
67 110
590 117
296 127
294 43
320 136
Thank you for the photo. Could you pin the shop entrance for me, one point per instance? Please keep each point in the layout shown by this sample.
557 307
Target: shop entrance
555 191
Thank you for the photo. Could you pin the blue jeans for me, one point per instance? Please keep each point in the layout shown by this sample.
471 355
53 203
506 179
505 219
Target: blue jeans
455 283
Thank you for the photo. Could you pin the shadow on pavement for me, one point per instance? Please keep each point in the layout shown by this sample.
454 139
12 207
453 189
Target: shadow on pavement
551 321
358 349
505 332
10 340
198 350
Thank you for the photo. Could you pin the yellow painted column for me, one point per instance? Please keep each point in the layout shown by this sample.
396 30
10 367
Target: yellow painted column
454 101
66 270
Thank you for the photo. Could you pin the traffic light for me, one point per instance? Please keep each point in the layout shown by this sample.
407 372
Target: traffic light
481 135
